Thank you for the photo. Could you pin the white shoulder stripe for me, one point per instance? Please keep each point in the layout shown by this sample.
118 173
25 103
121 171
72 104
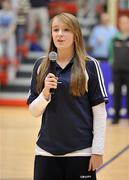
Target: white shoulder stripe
41 57
100 77
87 78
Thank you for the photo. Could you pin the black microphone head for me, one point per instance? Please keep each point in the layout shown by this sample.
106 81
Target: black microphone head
53 56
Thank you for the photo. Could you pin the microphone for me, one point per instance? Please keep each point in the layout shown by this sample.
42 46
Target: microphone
52 67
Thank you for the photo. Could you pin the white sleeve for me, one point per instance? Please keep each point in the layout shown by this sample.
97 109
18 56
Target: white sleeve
38 106
99 128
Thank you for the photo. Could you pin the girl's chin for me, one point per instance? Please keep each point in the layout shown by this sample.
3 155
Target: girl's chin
60 47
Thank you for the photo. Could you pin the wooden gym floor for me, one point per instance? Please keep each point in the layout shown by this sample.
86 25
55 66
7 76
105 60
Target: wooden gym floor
18 132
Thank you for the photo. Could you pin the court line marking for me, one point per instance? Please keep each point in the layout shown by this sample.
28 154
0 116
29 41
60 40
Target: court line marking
113 158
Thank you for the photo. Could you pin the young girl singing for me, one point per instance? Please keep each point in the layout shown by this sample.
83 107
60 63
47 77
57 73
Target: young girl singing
70 142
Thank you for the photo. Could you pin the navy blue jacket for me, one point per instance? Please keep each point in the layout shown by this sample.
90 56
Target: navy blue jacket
121 55
67 123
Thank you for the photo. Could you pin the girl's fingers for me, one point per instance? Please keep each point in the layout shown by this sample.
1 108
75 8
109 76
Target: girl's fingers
94 167
51 80
90 165
95 162
51 85
50 75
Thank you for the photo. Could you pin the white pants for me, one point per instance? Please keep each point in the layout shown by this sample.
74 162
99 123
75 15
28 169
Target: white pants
8 48
41 15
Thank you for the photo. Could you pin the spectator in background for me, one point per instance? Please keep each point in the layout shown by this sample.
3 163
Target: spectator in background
39 13
7 35
119 58
100 38
87 18
21 9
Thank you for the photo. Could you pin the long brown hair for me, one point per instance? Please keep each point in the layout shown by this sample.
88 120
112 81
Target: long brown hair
78 78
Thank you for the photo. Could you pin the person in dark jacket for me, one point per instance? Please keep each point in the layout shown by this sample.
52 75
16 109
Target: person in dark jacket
70 142
119 58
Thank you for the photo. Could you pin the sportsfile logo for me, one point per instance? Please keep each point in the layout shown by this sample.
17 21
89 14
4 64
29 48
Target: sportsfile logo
85 177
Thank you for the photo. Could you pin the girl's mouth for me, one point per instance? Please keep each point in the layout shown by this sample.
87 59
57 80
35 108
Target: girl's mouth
60 40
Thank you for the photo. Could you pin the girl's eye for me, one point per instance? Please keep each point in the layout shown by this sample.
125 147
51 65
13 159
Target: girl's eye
66 29
56 29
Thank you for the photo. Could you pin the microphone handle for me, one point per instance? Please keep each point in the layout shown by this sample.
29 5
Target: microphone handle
53 71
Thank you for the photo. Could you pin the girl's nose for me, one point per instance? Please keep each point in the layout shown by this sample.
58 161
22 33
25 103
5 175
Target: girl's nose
60 32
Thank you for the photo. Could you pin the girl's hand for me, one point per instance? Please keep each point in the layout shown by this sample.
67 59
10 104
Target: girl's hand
96 161
50 82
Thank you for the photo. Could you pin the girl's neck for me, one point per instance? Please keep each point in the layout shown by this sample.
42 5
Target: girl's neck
65 56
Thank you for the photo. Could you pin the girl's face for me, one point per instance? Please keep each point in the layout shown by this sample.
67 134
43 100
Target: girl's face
62 36
124 24
6 5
